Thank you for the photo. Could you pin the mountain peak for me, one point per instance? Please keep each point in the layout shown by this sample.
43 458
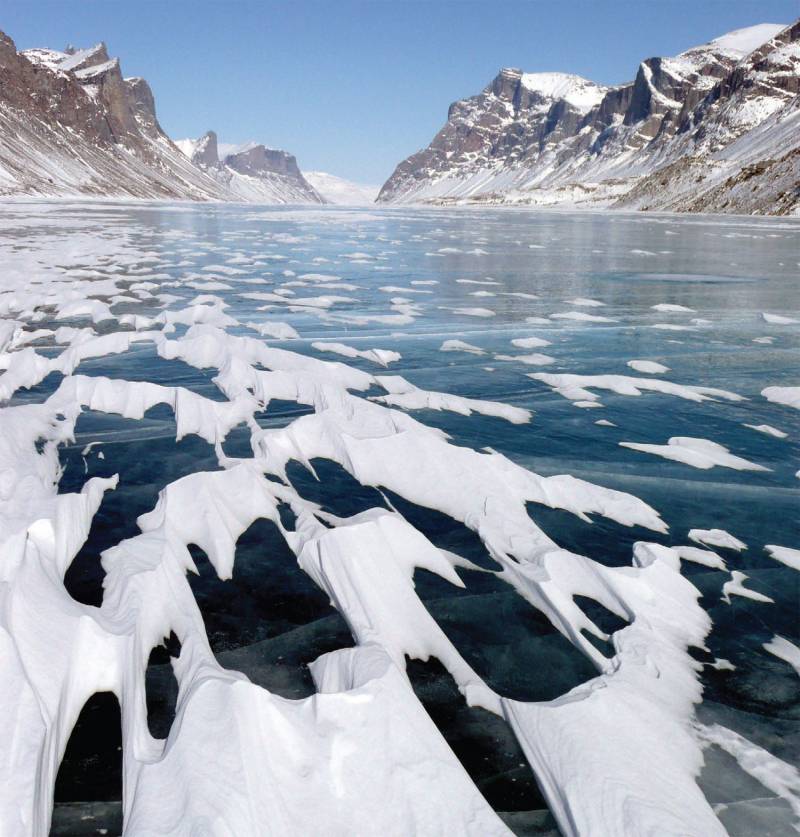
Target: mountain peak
205 150
662 139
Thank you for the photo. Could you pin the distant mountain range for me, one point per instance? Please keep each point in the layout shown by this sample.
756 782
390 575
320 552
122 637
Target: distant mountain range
251 173
714 129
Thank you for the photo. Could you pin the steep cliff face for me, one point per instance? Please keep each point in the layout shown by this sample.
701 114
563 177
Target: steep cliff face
71 124
254 173
516 119
656 142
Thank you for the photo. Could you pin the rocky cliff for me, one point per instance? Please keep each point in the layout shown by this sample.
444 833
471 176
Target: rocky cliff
252 173
71 124
714 128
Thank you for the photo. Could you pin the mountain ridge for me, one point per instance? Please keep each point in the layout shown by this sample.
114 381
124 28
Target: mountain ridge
72 125
715 128
527 140
253 173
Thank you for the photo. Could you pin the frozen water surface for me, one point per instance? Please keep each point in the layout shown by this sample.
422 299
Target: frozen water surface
253 581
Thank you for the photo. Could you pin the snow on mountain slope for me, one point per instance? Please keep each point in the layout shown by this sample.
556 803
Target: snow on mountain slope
742 42
340 191
70 124
578 92
186 146
251 172
660 141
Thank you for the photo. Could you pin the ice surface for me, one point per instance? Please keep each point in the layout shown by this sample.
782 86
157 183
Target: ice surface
784 554
780 647
360 754
776 775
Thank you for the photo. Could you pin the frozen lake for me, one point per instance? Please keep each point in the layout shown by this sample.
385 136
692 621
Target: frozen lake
654 358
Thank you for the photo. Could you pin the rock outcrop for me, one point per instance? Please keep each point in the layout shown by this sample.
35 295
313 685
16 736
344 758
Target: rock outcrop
253 173
685 134
70 124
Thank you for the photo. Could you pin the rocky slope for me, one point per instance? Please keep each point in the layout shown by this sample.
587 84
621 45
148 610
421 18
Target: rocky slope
71 124
713 129
252 173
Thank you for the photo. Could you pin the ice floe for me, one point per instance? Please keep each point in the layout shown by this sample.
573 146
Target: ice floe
781 648
382 357
785 554
460 346
530 342
578 387
779 319
699 453
717 537
767 430
648 367
735 587
788 396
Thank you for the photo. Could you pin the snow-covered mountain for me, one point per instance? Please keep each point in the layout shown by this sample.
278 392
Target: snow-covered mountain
71 124
251 172
341 191
716 128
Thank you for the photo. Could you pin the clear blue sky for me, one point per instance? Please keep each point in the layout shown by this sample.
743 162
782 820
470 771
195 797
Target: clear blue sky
354 86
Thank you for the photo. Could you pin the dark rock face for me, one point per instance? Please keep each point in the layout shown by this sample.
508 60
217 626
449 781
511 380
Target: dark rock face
256 173
258 160
143 105
26 86
547 134
65 117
